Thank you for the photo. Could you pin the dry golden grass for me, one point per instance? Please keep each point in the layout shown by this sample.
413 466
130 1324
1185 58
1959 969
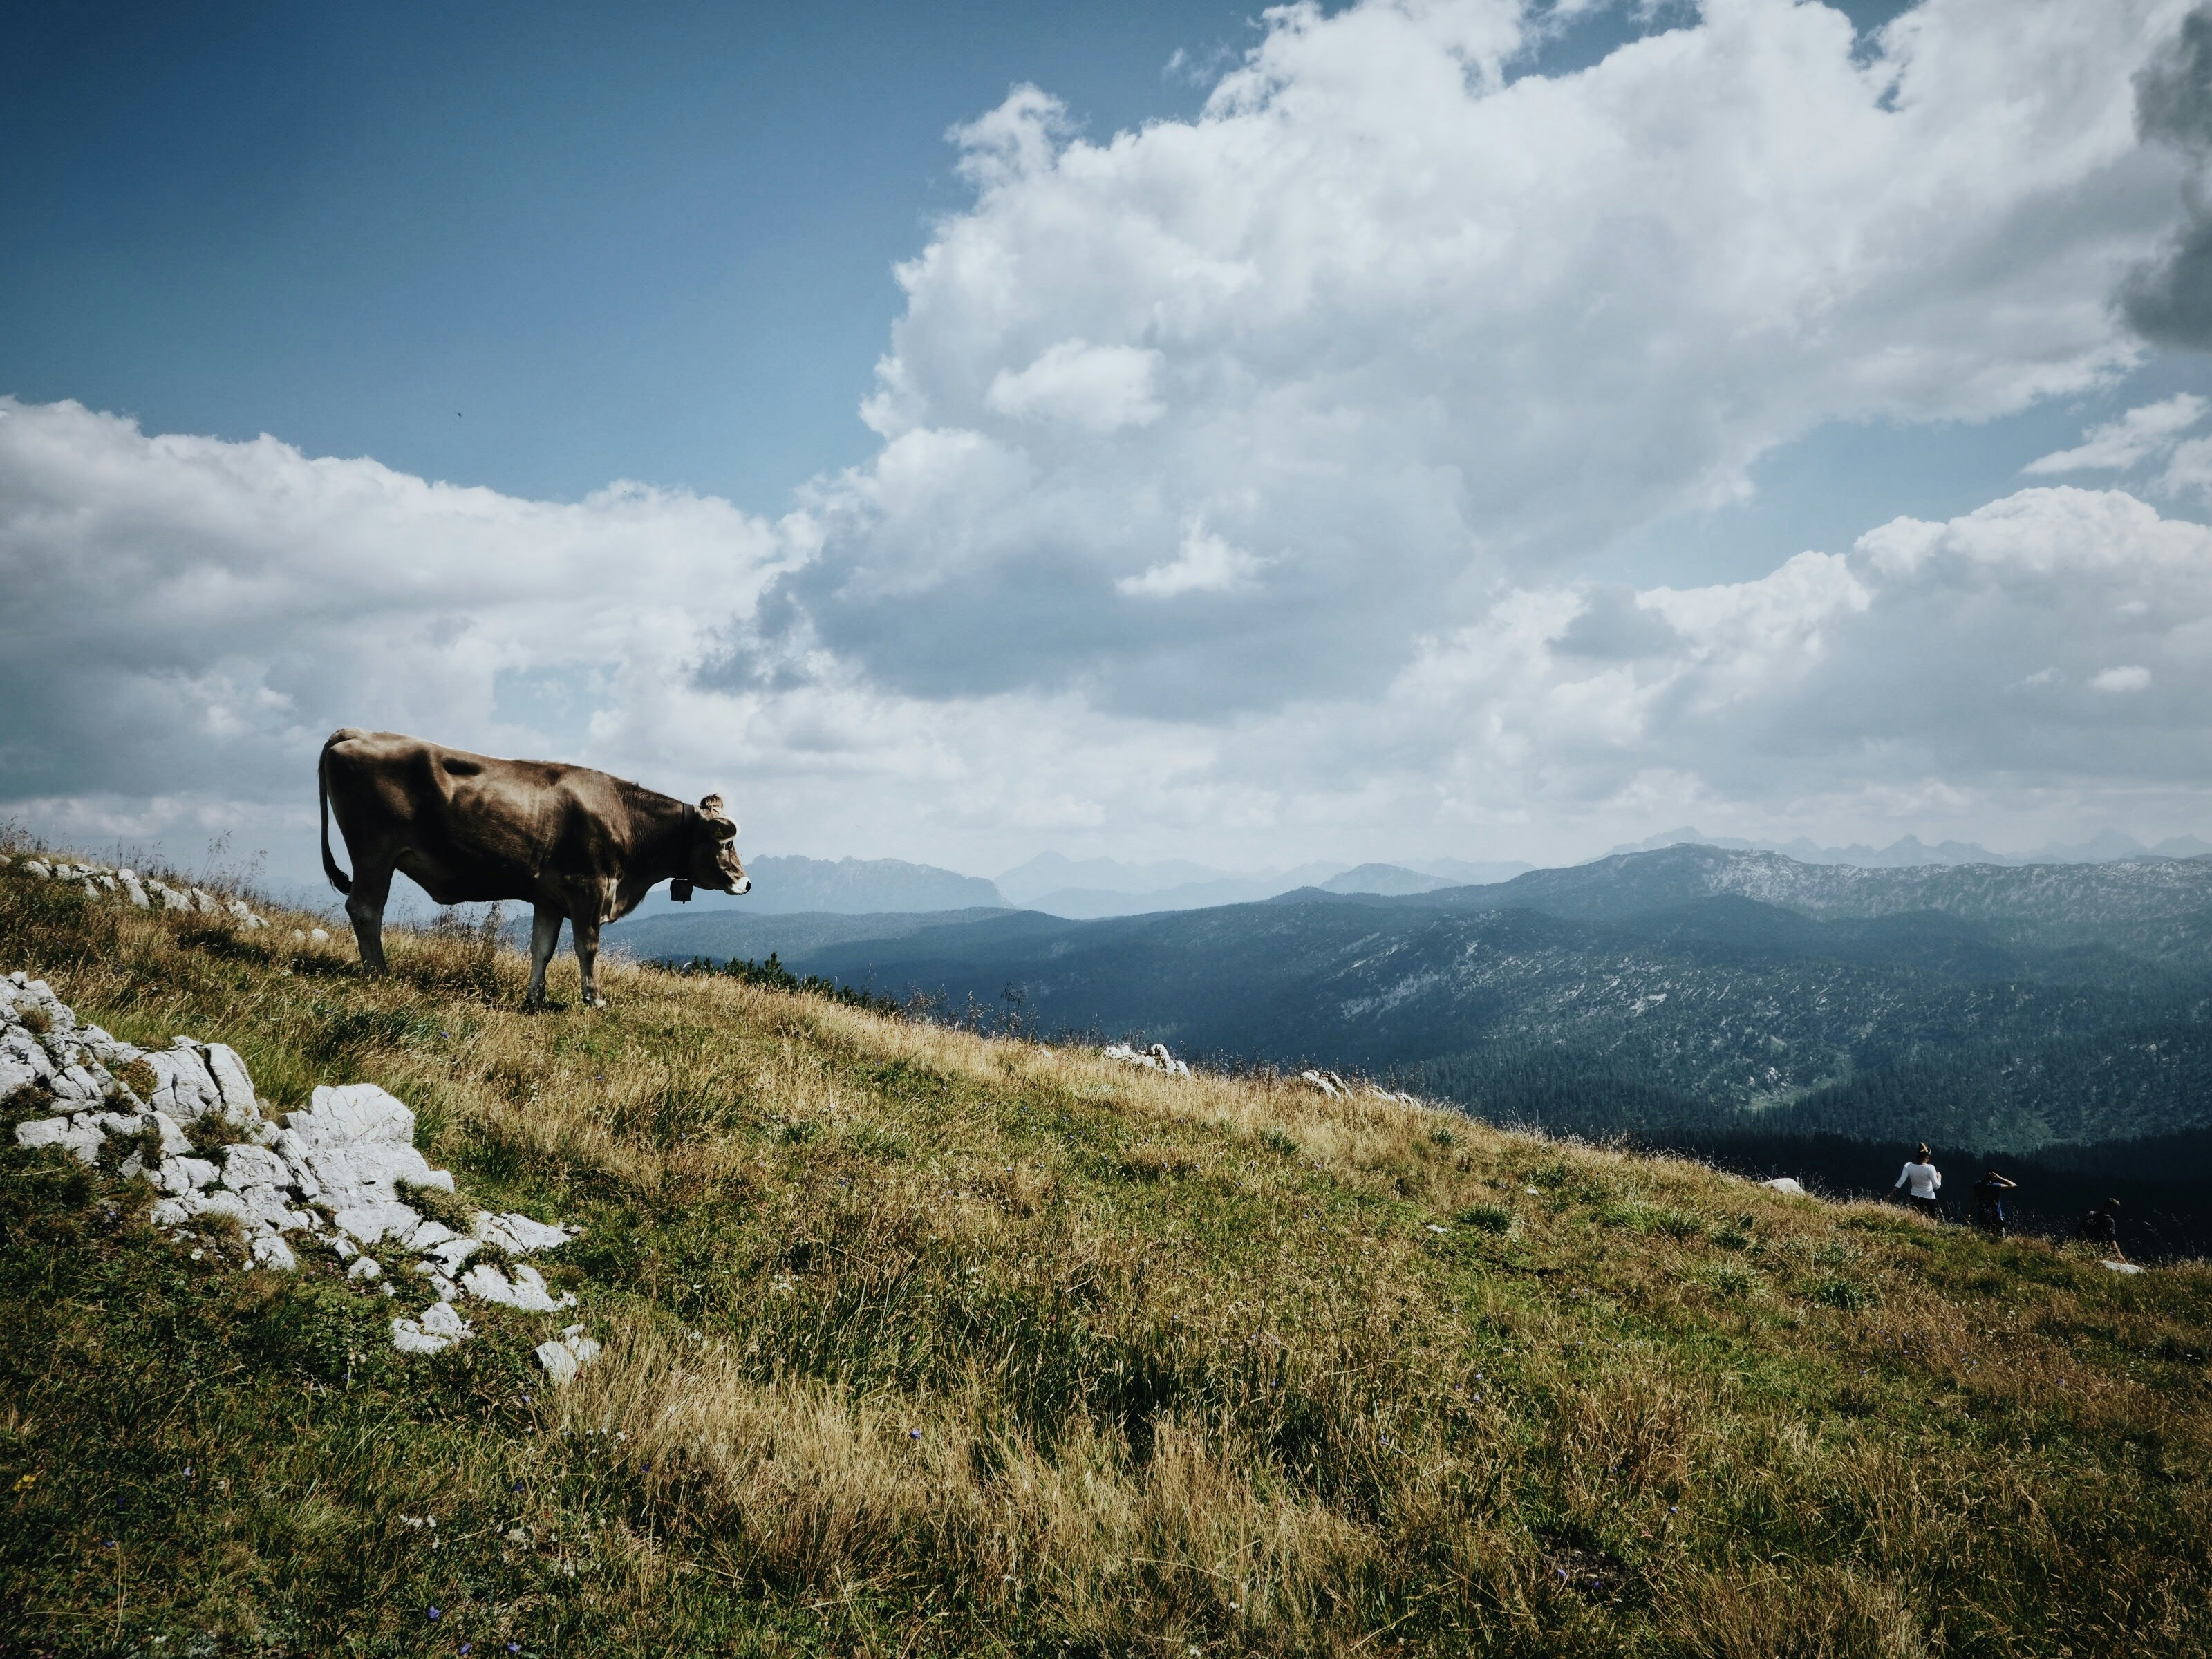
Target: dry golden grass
921 1342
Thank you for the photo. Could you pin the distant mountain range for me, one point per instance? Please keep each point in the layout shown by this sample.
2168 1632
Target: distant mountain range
1693 988
842 886
1091 888
2106 848
754 935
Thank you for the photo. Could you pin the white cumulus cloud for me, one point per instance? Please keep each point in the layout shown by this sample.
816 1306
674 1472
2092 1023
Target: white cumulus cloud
1100 388
2136 437
1205 563
1381 344
1416 329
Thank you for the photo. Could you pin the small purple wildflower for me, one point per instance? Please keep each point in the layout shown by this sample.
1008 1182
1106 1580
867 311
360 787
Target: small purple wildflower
434 1612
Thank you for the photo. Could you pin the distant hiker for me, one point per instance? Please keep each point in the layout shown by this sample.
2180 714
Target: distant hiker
1923 1178
1989 1202
2103 1227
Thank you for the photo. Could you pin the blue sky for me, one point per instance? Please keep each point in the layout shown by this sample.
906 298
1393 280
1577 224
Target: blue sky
538 248
1383 431
534 246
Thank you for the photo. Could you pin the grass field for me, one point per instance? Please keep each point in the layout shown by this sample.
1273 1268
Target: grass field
923 1343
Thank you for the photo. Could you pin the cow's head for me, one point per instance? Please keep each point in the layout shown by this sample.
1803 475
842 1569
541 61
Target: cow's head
714 851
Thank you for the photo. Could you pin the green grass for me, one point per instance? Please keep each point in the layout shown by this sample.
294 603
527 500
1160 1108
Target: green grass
922 1343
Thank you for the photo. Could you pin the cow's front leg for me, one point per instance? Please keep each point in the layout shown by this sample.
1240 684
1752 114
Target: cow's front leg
584 933
365 909
544 938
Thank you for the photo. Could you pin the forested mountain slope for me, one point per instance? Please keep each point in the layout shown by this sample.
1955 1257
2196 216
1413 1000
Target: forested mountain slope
2159 906
2000 1007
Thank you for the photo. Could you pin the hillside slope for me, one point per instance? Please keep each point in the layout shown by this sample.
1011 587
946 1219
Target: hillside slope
922 1343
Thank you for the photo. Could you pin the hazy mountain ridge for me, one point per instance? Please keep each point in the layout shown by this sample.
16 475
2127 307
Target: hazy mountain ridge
1693 986
754 935
1090 889
2158 905
785 886
2107 846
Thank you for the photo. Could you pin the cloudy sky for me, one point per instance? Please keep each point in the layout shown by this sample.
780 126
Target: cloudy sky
1443 427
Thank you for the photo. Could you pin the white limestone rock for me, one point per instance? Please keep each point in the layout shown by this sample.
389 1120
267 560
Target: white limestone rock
179 1175
105 1049
78 1082
268 1205
357 1143
527 1289
518 1235
453 1253
430 1234
437 1328
37 867
245 1165
184 1088
84 1139
371 1224
269 1251
363 1269
217 1200
567 1354
234 1087
26 1052
1786 1184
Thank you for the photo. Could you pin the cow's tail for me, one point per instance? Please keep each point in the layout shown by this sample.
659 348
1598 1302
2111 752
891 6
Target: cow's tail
339 879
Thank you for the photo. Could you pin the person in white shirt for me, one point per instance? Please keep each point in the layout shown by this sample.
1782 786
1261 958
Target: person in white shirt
1924 1180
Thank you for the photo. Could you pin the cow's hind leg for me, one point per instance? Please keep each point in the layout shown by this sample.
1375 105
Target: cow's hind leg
584 934
372 886
544 939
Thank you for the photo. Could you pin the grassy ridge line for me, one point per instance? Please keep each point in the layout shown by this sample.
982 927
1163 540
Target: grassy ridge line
925 1342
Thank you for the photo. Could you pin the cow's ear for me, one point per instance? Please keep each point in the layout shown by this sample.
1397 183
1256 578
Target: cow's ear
718 818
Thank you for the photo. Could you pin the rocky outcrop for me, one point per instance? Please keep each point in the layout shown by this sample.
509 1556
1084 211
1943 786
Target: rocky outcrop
1337 1089
335 1177
1156 1058
100 882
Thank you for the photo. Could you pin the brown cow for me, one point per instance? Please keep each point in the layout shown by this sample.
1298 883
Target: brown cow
570 841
